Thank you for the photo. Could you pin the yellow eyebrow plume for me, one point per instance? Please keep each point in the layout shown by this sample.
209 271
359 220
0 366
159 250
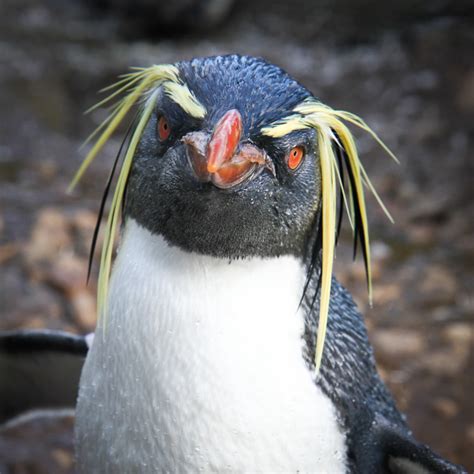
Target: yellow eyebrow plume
333 134
138 87
181 94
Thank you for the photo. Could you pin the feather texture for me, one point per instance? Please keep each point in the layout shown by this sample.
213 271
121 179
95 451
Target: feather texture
337 152
335 139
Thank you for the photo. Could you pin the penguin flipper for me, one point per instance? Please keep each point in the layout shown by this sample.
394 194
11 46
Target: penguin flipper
382 447
39 369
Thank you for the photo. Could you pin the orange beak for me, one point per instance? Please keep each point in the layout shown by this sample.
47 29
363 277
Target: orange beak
220 159
224 140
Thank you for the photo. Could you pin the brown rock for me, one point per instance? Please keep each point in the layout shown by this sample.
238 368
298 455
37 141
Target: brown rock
63 458
445 362
397 343
84 309
67 273
84 219
423 234
48 169
445 407
438 285
459 334
50 235
388 293
83 222
8 251
470 433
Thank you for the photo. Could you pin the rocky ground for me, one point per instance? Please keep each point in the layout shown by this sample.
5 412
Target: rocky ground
410 74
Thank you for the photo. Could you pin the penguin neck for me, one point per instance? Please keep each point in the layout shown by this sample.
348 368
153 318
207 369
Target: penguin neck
208 353
207 313
249 298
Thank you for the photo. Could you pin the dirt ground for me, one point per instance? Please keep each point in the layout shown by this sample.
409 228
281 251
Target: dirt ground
409 73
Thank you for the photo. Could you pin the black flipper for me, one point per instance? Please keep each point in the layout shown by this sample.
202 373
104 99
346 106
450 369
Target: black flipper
39 370
379 447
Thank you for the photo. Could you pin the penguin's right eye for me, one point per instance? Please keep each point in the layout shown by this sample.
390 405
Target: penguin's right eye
164 129
295 157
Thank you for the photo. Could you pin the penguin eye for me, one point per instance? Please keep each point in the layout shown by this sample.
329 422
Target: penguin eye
164 129
295 157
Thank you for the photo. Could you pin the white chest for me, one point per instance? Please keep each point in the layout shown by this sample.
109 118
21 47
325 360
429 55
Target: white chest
201 368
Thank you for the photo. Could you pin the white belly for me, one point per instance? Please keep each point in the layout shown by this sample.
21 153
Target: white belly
201 369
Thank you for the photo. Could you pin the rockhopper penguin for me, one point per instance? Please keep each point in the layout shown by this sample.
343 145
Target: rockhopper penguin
208 355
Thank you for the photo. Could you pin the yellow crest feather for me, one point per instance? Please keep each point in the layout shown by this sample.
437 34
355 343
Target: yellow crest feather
181 94
332 132
142 87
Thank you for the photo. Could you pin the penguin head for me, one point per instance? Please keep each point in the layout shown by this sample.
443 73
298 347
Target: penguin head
216 184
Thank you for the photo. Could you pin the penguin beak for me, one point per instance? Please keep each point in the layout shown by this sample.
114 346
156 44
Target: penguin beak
221 158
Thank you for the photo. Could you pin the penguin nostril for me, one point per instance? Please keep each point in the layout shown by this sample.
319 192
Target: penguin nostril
196 143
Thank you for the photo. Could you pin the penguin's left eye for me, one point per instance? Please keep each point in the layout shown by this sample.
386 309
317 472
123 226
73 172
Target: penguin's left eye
164 128
295 157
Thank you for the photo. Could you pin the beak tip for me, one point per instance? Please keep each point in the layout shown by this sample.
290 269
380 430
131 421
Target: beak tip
212 168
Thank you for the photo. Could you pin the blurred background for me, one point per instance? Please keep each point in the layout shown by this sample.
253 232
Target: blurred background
407 67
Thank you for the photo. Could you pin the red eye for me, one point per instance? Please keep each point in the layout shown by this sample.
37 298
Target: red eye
164 129
295 157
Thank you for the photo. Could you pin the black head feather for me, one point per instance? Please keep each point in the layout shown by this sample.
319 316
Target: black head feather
270 215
